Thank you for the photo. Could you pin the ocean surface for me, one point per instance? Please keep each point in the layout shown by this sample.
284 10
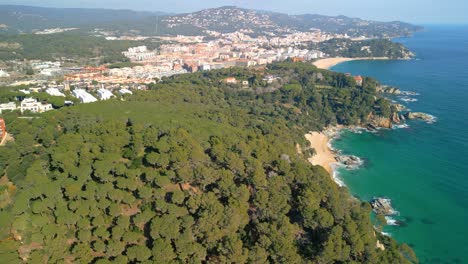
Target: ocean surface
423 169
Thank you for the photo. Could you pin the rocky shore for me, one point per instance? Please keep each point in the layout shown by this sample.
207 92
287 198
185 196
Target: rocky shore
382 206
419 115
388 90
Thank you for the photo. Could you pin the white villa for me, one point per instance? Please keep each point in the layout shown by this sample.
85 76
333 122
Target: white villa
34 106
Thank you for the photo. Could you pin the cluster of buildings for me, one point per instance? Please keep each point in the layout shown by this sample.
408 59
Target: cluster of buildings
47 68
180 58
28 104
103 94
147 73
4 73
140 53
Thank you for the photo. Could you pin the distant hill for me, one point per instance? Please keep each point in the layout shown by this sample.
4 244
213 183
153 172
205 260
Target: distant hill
25 19
226 19
229 19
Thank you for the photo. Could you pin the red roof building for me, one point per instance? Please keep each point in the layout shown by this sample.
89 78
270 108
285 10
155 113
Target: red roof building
3 131
358 80
230 80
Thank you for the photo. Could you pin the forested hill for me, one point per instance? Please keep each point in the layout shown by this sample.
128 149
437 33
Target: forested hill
194 171
24 19
363 48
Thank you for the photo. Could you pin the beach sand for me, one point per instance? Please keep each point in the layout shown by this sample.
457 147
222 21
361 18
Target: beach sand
330 62
324 156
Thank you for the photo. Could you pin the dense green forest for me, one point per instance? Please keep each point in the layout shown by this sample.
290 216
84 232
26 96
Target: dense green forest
365 48
193 171
65 45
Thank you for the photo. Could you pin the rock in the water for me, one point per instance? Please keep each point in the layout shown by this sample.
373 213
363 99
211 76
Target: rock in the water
399 107
382 206
396 118
376 121
388 90
350 162
419 115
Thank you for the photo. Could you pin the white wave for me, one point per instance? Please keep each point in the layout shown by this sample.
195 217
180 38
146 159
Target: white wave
432 119
400 126
391 221
409 93
336 176
386 234
408 99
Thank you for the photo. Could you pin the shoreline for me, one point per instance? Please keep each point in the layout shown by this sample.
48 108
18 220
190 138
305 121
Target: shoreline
324 156
328 63
329 158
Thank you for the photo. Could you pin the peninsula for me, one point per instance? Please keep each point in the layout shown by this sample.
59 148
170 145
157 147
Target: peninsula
328 63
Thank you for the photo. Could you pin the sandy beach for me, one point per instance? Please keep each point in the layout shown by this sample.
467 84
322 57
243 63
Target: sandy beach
330 62
324 155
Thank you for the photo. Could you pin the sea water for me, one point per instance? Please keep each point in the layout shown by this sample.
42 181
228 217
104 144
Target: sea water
421 167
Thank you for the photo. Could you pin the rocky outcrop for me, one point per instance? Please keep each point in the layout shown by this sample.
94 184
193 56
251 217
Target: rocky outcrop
375 122
396 118
382 206
419 115
349 161
399 107
388 90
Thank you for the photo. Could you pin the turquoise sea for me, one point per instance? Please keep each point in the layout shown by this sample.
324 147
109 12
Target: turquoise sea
423 169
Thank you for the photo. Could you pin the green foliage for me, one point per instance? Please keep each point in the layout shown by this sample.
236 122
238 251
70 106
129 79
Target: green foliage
57 46
365 48
192 173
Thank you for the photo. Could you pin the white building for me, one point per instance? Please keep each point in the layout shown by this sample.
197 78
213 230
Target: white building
139 53
11 106
84 96
34 106
104 94
51 72
40 65
125 91
25 91
54 92
3 73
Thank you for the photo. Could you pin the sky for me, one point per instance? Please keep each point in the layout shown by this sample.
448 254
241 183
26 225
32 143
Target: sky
416 11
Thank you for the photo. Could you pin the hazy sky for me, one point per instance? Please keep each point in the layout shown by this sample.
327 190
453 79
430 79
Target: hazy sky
418 11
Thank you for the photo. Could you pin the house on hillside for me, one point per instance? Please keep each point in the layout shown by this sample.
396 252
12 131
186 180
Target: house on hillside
3 131
54 92
11 106
31 104
83 96
125 91
104 94
230 80
358 80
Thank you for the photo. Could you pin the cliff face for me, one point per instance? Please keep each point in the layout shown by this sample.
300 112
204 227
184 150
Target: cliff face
375 121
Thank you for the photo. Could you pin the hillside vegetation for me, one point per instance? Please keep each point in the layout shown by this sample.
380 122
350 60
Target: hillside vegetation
194 171
68 46
364 48
24 19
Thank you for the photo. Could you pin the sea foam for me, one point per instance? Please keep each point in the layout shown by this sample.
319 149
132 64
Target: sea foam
391 221
400 126
408 99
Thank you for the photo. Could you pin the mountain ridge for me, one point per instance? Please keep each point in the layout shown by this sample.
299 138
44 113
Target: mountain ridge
225 19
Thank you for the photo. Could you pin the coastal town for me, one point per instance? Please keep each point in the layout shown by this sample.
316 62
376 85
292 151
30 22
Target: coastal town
179 55
133 133
255 42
